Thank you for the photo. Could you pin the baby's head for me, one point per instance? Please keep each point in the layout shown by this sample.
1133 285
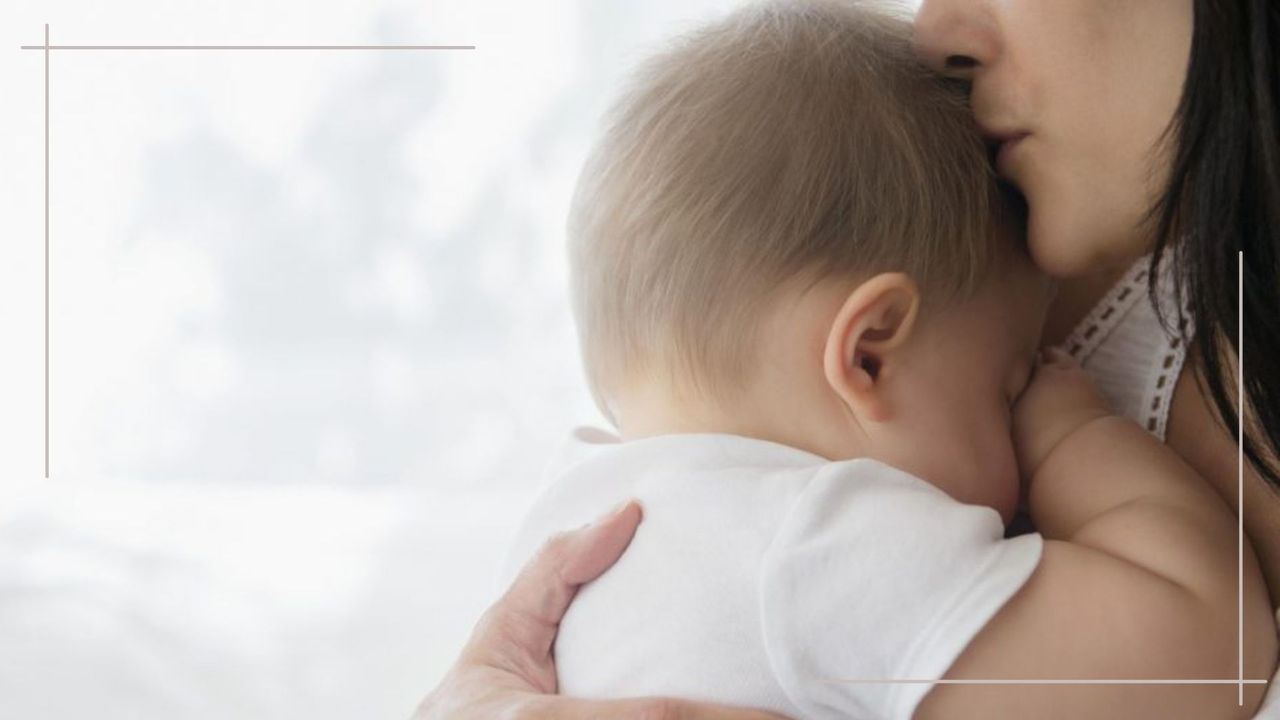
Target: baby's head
790 231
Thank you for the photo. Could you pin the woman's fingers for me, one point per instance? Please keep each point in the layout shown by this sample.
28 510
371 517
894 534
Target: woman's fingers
562 708
565 562
518 631
591 550
524 706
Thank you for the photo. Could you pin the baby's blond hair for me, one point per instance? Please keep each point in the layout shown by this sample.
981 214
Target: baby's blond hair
793 140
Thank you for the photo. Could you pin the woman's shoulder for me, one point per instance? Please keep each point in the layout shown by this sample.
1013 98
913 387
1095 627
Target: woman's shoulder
1197 434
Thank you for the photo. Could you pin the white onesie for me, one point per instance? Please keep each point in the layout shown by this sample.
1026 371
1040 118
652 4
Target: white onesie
764 576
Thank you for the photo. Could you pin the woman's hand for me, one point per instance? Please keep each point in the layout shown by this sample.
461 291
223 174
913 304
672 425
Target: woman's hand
507 670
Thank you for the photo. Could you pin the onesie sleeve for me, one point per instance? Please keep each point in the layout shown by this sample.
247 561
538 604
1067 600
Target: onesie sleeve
877 575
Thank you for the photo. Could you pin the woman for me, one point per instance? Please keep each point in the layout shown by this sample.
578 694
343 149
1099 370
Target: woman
1145 135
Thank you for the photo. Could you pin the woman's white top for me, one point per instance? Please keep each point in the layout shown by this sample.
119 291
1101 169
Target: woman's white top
1123 346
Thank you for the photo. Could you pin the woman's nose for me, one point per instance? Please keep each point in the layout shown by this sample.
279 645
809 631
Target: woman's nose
956 37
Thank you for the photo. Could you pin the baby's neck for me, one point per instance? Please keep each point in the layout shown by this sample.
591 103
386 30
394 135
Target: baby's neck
651 409
648 409
784 398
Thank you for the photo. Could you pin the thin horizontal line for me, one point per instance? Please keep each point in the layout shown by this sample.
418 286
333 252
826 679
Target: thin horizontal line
1232 681
248 47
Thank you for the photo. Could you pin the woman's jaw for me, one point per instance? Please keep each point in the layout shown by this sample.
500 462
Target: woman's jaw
1076 100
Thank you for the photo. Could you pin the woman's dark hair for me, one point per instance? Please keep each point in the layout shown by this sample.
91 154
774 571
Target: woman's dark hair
1223 197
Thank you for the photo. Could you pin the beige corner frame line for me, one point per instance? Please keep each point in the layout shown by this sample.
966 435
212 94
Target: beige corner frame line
1240 681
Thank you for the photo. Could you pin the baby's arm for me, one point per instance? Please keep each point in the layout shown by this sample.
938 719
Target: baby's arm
1137 578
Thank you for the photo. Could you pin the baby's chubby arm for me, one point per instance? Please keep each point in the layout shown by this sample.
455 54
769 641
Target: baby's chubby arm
1137 577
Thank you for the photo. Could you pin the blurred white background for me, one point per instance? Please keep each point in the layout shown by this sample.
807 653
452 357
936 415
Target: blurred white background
310 340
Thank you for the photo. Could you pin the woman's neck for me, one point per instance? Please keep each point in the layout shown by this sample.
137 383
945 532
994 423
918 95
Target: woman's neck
1074 299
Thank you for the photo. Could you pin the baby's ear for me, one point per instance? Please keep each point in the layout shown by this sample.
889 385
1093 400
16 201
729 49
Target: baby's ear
865 345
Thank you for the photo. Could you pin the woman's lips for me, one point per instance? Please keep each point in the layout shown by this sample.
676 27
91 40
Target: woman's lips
1002 139
1004 150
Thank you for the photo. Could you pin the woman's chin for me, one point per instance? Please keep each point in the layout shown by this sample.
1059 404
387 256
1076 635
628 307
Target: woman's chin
1072 233
1065 249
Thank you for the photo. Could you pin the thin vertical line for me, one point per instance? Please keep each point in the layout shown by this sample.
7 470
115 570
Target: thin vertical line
46 251
1240 475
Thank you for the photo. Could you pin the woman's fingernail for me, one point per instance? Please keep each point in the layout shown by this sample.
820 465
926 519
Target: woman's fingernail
614 512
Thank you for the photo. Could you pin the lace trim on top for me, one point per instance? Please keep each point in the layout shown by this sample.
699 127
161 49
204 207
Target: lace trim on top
1114 307
1089 333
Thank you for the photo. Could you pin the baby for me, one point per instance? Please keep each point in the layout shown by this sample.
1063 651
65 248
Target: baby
804 306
